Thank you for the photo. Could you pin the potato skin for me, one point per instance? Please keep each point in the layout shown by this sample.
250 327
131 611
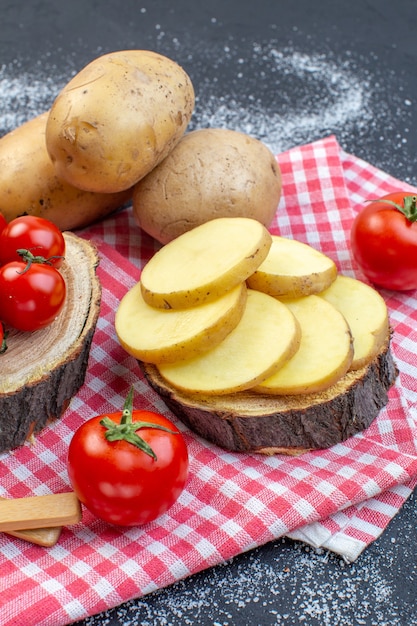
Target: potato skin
117 119
212 172
29 184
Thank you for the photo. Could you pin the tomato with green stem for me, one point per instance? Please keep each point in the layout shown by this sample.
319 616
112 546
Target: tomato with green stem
130 467
32 294
384 241
36 234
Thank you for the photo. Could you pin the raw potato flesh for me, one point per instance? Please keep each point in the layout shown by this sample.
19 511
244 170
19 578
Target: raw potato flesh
325 352
204 263
164 336
366 313
293 269
266 337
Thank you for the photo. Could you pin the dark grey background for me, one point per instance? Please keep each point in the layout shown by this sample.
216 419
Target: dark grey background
289 72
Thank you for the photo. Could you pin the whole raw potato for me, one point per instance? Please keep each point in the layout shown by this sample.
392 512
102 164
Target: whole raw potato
210 173
118 118
29 184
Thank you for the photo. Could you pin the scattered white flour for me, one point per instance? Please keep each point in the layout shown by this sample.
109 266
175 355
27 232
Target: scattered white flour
286 97
23 95
312 96
297 593
325 95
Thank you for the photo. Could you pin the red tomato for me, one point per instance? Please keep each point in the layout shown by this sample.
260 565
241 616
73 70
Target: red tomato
36 234
128 468
30 297
384 241
3 222
3 336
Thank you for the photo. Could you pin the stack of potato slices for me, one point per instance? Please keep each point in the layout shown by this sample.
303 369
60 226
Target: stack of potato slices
228 307
256 342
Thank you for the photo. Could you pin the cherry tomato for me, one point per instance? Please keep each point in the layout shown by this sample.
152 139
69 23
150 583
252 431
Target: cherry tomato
3 337
384 241
30 296
36 234
3 222
128 468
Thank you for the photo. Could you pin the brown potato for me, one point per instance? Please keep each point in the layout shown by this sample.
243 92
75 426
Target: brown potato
29 184
210 173
117 119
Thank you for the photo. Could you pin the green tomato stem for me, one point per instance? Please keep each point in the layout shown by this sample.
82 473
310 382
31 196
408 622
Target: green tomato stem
409 210
126 429
127 414
30 258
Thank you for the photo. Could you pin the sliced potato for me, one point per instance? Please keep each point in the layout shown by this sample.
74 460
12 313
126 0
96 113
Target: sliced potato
365 312
325 352
204 263
293 269
164 336
265 338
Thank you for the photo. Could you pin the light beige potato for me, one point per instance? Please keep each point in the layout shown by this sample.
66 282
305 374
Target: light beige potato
293 269
266 337
325 351
211 173
118 118
164 336
30 185
366 313
204 263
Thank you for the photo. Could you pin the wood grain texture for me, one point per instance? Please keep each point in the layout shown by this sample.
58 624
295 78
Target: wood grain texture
35 512
45 537
268 424
43 370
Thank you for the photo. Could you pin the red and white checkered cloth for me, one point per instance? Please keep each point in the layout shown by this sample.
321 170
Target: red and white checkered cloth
341 498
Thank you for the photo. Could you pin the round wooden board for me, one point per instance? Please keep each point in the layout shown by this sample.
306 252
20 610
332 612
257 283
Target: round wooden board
43 370
269 424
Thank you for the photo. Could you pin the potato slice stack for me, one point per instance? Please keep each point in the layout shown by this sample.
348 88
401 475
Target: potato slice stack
228 307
